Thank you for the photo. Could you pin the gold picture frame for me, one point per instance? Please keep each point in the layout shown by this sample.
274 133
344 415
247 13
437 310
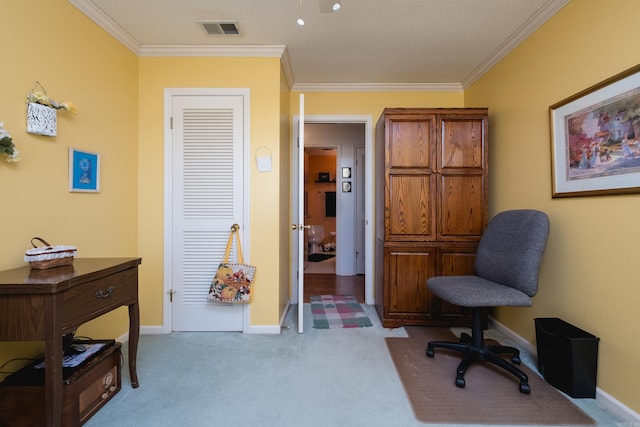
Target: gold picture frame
595 139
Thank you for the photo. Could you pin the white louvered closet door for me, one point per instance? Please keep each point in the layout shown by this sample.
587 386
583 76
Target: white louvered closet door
207 194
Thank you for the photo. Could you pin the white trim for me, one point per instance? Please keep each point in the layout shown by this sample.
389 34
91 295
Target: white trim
252 51
283 318
169 93
606 399
153 330
109 25
124 337
167 319
263 329
285 61
377 87
521 342
525 30
617 407
369 195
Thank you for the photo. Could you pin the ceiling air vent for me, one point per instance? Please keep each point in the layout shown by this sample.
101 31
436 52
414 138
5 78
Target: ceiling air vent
220 28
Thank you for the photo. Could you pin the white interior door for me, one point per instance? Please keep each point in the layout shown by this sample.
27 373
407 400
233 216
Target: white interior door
207 197
301 226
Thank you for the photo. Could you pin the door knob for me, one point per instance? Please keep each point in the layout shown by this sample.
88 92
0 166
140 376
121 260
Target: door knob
299 226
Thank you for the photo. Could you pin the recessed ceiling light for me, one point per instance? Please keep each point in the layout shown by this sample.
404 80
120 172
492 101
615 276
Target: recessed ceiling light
300 21
329 6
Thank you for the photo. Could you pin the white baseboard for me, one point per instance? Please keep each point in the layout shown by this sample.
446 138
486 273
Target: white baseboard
522 343
606 399
159 330
144 330
269 329
263 329
123 338
153 330
284 314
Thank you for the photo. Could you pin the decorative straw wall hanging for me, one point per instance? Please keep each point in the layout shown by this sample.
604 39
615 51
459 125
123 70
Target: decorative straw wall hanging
42 118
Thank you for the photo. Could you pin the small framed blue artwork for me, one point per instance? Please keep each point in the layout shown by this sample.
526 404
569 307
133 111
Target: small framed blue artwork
84 171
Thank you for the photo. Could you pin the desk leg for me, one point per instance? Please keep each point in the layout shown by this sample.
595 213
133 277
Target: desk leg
53 360
134 335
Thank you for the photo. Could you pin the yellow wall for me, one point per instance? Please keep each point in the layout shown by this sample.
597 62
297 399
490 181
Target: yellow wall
262 77
286 196
50 41
589 273
120 114
371 103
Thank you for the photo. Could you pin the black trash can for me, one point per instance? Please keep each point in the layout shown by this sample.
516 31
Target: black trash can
567 357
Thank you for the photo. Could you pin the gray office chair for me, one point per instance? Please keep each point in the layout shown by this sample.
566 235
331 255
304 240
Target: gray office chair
506 274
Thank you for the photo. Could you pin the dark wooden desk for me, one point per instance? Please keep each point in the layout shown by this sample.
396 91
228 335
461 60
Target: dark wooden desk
42 305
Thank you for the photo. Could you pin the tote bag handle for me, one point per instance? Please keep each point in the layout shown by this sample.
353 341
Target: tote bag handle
235 230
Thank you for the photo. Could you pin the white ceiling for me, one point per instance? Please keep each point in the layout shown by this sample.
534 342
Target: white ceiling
368 44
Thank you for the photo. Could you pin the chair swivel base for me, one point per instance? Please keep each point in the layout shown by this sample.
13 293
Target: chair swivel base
487 354
475 350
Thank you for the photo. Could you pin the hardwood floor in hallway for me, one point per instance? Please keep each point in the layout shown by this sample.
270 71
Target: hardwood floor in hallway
330 284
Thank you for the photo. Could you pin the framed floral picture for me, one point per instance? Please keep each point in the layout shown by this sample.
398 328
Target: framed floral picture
84 171
595 139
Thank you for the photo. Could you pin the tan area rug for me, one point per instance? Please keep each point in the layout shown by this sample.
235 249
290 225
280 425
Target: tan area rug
491 396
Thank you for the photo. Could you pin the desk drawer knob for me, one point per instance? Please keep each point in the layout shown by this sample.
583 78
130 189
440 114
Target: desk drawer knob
102 294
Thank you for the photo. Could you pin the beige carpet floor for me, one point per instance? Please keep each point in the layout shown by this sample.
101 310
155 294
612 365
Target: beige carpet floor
491 396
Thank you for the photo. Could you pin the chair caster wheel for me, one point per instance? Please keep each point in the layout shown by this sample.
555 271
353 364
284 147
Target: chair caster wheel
430 352
525 388
460 382
515 360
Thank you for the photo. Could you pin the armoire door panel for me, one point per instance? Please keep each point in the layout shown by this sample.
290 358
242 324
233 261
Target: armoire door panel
410 143
462 202
462 143
410 207
408 272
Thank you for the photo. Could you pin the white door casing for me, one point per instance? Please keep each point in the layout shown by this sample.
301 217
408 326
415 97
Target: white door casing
360 219
206 192
368 192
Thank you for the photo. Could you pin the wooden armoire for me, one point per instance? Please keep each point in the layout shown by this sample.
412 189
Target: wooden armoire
431 208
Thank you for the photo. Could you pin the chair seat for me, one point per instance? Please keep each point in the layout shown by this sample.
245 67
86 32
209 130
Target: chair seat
474 291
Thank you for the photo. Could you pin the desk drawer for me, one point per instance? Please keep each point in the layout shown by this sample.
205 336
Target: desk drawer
84 302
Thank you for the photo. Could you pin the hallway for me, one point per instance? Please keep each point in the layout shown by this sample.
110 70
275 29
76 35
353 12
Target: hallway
330 284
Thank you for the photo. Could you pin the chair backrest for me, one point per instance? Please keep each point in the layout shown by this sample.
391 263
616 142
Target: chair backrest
511 249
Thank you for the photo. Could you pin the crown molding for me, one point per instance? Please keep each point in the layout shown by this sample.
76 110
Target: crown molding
543 15
98 16
260 51
288 69
377 87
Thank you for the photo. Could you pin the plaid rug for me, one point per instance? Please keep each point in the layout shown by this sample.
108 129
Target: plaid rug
337 311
